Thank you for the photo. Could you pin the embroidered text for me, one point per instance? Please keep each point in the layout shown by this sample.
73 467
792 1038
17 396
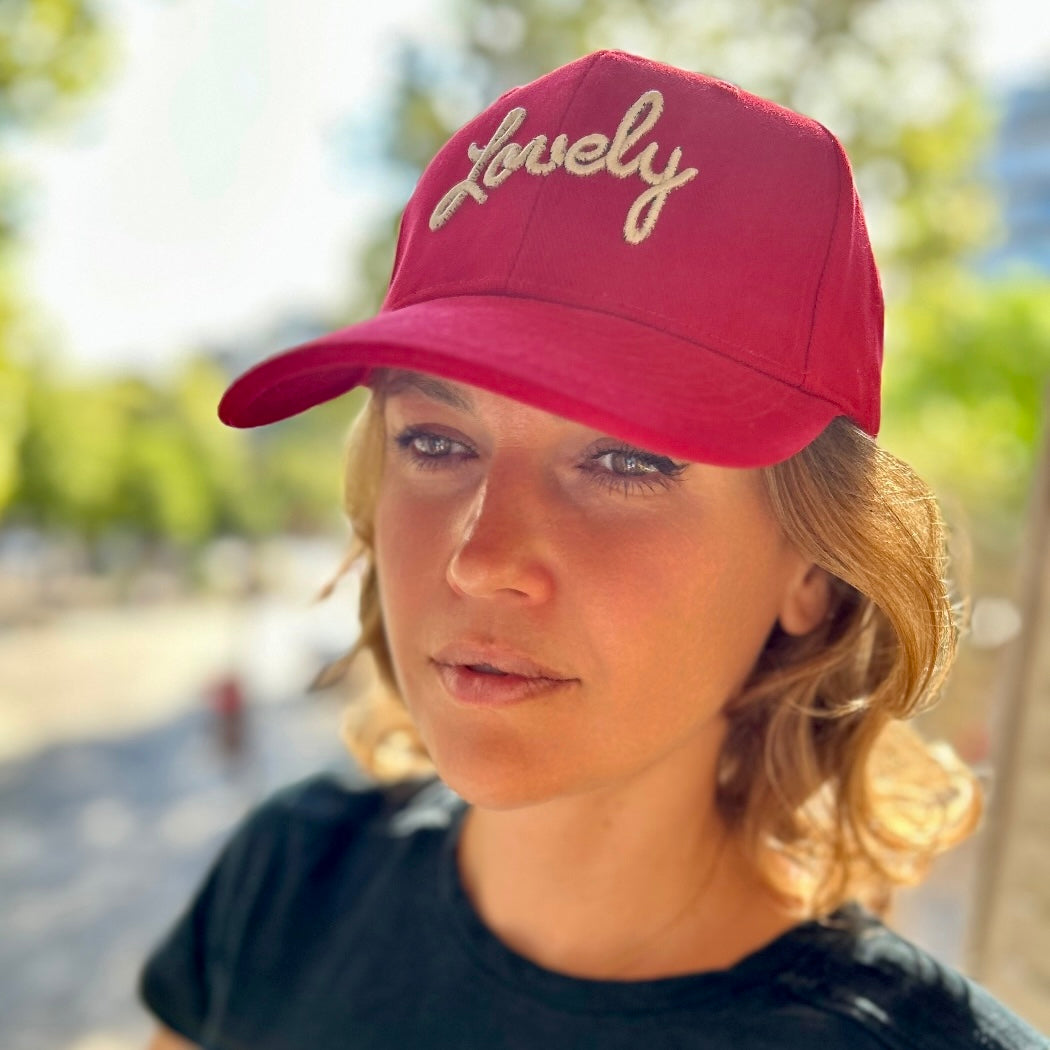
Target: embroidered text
501 158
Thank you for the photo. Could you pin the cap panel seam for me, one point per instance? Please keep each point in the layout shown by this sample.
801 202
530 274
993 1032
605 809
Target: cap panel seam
527 227
830 142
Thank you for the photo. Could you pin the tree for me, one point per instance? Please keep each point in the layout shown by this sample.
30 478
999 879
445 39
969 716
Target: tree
968 367
53 53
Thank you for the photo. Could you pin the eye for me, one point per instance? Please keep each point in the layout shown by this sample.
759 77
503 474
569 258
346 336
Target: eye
429 445
627 469
429 449
631 462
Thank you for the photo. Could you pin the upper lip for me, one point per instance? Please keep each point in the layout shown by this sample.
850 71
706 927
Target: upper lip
509 661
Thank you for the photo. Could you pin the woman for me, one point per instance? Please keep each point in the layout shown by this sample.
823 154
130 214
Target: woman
641 587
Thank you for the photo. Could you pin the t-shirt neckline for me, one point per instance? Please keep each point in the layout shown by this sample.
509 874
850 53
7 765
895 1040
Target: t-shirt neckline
498 962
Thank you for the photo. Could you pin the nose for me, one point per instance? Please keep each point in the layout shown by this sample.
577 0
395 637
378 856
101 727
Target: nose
503 549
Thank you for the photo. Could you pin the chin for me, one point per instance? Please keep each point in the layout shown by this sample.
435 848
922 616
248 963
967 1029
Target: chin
487 784
497 775
511 759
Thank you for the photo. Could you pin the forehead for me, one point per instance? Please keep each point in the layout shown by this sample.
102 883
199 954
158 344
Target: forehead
393 381
513 420
506 414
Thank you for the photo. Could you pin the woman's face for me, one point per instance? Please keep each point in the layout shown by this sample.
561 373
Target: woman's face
567 613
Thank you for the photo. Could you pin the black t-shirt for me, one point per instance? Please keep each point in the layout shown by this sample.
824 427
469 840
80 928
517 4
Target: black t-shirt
335 919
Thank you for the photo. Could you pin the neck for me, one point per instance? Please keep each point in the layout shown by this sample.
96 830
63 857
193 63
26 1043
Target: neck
618 884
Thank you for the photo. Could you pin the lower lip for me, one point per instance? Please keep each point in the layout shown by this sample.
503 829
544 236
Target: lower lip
494 690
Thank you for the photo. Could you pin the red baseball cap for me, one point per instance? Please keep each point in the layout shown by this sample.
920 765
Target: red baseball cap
651 252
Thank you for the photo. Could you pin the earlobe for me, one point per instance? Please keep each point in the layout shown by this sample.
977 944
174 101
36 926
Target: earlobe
807 600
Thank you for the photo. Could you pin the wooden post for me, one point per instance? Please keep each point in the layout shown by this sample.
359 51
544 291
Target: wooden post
1014 700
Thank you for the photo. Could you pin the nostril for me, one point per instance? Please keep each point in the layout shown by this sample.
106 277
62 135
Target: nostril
500 549
486 564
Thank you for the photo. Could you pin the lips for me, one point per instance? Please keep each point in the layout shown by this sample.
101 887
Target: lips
495 660
495 676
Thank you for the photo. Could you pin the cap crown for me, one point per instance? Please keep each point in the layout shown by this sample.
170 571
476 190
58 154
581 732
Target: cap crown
632 189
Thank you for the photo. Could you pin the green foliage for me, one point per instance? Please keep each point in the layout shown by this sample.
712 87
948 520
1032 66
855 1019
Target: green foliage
72 455
301 462
967 375
105 455
14 388
222 466
52 53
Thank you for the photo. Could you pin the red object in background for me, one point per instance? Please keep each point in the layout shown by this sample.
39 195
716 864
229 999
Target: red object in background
228 704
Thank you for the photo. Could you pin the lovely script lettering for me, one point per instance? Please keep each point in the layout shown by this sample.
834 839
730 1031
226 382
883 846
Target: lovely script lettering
497 161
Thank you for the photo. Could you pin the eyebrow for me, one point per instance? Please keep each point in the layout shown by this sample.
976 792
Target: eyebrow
396 381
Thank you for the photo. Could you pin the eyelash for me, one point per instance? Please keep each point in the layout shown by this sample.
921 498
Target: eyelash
406 440
658 471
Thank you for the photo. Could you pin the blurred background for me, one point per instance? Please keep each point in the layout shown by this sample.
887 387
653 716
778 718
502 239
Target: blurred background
187 185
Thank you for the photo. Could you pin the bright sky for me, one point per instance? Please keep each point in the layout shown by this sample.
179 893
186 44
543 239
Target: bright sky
207 195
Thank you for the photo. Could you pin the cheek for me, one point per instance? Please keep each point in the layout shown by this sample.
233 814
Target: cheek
390 531
411 532
404 557
688 611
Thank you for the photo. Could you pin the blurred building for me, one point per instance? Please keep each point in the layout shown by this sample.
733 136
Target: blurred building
289 329
1019 168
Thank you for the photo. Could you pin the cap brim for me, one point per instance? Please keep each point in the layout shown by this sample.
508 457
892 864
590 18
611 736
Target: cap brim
623 378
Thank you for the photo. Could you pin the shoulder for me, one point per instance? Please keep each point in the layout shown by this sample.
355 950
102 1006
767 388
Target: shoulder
320 803
856 967
324 815
309 851
311 842
326 802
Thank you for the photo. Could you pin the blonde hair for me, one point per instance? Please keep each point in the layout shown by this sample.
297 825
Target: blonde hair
833 795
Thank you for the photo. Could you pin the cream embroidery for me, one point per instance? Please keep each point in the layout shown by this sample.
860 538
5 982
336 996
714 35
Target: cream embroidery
501 158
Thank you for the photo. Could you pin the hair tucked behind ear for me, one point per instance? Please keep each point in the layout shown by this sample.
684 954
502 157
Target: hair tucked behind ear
833 794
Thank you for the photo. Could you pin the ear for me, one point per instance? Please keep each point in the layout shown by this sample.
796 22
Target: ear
806 601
